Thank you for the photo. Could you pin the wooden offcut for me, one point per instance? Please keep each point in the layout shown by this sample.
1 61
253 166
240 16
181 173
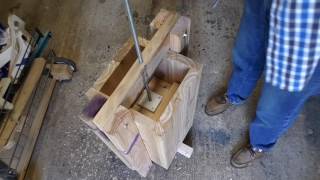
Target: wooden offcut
180 35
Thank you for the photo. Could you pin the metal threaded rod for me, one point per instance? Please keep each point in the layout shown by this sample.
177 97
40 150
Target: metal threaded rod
137 47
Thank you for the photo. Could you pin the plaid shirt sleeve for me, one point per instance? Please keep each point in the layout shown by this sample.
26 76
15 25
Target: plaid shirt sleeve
294 43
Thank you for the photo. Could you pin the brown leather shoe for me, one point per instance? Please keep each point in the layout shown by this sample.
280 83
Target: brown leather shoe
217 105
245 156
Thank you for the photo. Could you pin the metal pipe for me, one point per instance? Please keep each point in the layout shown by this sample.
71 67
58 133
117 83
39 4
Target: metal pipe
136 44
134 32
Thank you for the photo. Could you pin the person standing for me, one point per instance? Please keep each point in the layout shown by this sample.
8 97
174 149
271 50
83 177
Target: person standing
282 39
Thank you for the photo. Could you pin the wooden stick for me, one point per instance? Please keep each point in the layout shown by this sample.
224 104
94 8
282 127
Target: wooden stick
34 131
105 117
22 100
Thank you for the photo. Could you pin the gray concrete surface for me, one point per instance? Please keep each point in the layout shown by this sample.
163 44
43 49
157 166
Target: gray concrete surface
90 32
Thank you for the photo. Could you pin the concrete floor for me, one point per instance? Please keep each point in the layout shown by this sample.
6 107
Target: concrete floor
90 32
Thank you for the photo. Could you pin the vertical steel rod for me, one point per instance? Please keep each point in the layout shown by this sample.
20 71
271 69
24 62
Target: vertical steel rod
137 46
133 30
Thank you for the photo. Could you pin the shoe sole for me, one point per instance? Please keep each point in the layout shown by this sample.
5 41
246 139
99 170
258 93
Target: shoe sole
239 166
214 114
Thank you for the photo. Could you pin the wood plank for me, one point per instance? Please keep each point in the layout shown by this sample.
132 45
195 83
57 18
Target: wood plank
185 150
125 132
138 87
34 131
160 19
22 99
105 117
116 60
180 34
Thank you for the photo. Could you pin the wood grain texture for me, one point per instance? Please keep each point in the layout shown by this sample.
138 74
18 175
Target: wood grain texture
116 60
105 117
160 19
180 34
22 99
185 150
34 131
163 137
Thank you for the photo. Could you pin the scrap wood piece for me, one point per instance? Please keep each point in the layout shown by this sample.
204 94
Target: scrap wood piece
105 117
160 19
61 72
180 34
34 131
22 99
185 150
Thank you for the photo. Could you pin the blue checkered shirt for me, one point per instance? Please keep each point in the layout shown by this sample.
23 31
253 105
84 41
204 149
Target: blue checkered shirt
294 43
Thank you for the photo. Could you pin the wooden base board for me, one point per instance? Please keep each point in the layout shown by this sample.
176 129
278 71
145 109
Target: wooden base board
185 150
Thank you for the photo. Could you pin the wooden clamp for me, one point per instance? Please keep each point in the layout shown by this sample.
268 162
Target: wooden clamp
104 119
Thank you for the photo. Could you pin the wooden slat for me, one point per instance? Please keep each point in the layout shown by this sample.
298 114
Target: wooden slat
185 150
34 131
177 39
159 20
22 100
104 118
120 55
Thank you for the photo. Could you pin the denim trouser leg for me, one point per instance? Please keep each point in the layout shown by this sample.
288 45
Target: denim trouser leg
250 50
277 110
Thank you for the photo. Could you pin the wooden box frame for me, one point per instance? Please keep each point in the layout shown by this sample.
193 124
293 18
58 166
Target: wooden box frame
136 135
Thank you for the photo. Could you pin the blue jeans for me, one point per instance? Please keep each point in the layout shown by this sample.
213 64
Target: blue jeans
277 109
